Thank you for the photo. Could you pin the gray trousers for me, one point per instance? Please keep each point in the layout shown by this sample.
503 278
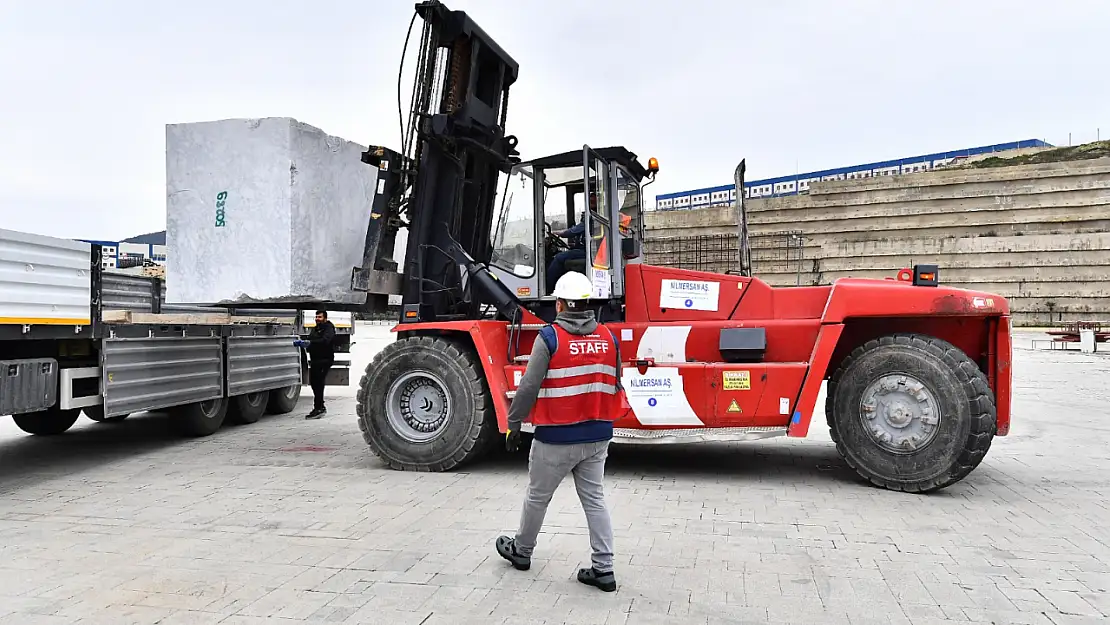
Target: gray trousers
547 466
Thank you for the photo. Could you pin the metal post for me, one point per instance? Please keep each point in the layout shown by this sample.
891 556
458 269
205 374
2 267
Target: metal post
744 251
798 238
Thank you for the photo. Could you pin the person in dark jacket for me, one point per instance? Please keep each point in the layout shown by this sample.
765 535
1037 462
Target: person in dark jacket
576 249
321 357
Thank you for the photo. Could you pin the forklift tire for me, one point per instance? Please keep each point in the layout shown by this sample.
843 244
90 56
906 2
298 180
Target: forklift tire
424 405
283 400
932 412
47 422
200 418
247 408
96 413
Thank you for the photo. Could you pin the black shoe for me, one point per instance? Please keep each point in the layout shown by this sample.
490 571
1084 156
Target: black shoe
316 413
604 581
506 548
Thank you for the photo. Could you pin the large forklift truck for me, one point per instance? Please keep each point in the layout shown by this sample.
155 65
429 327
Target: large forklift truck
918 374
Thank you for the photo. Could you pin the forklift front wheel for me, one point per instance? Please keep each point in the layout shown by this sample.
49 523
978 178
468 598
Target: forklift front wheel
423 405
911 412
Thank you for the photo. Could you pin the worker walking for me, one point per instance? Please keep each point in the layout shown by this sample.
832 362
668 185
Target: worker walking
321 357
572 389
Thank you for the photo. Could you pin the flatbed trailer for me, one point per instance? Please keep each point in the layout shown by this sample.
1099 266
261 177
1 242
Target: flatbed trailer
76 337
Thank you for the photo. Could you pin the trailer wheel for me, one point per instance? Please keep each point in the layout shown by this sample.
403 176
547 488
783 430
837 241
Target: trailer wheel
910 412
47 422
423 405
96 413
200 418
283 400
248 408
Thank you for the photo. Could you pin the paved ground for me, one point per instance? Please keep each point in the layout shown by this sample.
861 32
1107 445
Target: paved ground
291 521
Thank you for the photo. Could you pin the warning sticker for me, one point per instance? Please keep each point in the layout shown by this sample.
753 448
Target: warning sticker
737 380
733 406
524 291
690 295
517 375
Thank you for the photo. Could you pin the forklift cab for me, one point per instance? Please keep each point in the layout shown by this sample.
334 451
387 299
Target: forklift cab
597 193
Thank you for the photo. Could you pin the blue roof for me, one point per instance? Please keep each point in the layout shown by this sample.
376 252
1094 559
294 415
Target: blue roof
966 152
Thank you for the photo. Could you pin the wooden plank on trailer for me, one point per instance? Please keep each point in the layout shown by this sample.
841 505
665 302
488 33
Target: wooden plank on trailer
207 319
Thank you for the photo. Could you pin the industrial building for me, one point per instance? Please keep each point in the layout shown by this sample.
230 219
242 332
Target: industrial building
129 253
725 195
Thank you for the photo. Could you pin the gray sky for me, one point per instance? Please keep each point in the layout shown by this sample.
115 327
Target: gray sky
88 86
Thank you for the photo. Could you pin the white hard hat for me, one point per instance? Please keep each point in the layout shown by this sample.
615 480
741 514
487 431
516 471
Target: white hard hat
573 286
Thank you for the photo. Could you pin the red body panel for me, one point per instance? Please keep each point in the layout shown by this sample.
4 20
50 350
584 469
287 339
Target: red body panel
818 371
674 318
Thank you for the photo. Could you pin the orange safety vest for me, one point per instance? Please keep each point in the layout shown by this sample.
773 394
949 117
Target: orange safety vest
601 258
581 380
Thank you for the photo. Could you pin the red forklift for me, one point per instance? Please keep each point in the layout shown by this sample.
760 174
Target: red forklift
918 374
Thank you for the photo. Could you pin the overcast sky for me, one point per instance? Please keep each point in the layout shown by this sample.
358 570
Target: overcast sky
87 87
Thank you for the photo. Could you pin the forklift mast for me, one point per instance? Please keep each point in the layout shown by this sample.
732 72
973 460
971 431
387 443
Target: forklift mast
442 186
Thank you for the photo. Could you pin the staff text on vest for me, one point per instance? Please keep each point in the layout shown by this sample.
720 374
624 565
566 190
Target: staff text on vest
578 348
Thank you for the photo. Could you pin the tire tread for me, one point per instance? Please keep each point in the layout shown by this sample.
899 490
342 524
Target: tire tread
980 399
483 427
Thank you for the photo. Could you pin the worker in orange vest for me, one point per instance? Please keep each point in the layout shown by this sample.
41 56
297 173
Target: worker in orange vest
572 393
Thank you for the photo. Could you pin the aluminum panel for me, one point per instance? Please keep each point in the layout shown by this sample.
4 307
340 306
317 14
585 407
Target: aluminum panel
261 363
119 291
28 385
44 280
154 373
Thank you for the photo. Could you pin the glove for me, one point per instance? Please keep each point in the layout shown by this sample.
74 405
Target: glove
300 343
512 440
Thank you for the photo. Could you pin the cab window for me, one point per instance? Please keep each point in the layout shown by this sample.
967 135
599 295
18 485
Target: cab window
514 231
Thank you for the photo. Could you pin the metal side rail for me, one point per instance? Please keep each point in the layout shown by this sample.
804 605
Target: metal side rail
695 435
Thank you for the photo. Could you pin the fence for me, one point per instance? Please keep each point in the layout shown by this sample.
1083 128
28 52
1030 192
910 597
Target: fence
780 251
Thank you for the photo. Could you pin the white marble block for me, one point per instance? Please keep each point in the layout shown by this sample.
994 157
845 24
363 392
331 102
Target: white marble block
264 210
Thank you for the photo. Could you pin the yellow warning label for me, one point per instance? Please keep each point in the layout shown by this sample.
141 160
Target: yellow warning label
734 407
737 380
524 291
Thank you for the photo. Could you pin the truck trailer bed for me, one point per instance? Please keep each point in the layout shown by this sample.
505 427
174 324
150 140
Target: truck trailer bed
76 336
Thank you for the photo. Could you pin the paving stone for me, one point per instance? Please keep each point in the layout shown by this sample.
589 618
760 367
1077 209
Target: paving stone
126 523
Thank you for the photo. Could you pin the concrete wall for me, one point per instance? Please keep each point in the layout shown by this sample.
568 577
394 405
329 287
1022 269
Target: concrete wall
1036 234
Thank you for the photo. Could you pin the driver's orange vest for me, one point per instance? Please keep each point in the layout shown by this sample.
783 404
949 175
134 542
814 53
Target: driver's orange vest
581 380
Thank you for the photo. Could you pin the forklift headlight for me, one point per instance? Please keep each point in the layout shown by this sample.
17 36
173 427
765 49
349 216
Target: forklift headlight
926 275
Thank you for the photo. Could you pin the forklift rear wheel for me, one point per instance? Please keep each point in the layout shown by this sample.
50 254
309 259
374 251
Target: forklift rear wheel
911 412
248 408
284 400
423 405
200 418
96 413
47 422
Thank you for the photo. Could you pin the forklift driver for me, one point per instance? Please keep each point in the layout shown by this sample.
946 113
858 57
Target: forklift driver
576 240
576 248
